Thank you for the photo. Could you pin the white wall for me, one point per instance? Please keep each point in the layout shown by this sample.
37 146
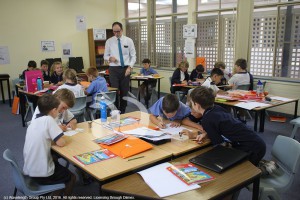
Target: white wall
24 24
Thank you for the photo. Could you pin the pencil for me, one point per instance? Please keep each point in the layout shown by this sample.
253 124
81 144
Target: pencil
135 158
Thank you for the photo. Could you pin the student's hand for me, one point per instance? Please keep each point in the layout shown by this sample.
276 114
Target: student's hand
175 124
113 59
161 123
59 83
63 127
184 82
128 71
200 138
72 124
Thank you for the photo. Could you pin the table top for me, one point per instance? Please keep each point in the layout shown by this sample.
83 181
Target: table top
137 77
241 174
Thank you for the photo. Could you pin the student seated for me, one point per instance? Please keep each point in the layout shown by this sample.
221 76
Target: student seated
98 83
44 69
38 161
65 118
196 74
56 74
30 66
242 76
214 79
168 107
221 65
180 76
220 126
70 80
146 71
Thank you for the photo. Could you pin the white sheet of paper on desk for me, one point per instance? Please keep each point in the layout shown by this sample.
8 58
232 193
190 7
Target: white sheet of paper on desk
149 76
163 182
280 98
144 131
251 105
173 130
73 132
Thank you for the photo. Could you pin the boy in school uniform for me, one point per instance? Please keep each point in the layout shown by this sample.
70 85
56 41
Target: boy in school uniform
30 66
221 65
44 69
146 71
38 161
171 108
220 126
242 76
215 78
65 118
196 74
97 85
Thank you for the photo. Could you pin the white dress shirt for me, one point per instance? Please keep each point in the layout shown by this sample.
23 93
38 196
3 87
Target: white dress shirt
128 50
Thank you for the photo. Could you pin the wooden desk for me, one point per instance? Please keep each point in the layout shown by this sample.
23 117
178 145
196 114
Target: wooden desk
224 184
109 169
173 148
146 80
261 111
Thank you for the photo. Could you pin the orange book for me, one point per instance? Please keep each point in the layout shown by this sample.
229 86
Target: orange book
15 106
277 119
128 147
85 83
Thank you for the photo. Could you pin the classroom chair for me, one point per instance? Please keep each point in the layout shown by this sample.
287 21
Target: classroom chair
79 108
25 184
29 107
286 153
296 123
180 94
110 99
243 87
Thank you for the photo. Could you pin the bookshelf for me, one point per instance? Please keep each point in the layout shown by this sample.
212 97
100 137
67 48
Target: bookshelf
97 39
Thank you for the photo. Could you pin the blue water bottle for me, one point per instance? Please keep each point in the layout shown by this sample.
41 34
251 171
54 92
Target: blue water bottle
39 84
103 109
259 89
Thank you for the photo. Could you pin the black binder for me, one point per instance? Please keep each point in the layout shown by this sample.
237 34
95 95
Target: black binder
219 158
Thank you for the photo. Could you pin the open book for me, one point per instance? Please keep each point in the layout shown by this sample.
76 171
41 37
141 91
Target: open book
94 156
190 174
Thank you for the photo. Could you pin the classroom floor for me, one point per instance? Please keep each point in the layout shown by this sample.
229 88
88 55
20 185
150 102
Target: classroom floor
13 134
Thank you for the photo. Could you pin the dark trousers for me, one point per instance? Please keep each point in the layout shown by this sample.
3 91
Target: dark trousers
118 80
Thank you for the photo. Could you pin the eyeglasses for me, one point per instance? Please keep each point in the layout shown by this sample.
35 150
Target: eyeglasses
116 31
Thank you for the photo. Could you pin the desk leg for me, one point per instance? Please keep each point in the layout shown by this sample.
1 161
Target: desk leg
255 193
158 89
296 109
147 94
22 107
9 96
139 91
2 92
262 120
255 120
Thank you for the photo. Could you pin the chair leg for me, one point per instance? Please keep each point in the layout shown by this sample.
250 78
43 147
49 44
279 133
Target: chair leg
269 193
27 110
15 192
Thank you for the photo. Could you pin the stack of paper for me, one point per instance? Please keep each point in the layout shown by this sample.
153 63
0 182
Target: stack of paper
147 133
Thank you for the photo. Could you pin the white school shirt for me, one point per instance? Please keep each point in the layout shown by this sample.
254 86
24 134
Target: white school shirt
63 118
207 83
75 88
38 160
128 50
239 79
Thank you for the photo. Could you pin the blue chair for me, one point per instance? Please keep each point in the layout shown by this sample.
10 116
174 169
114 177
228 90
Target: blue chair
296 123
78 109
25 184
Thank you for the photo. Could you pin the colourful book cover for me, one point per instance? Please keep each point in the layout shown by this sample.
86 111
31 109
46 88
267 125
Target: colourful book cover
94 156
190 174
110 139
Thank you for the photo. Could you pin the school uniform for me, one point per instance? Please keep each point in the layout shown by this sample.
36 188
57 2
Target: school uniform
151 83
210 84
46 76
177 78
195 75
97 85
74 87
23 74
182 112
38 162
54 78
220 124
242 78
62 118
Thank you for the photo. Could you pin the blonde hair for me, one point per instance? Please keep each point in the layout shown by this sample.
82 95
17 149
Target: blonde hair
184 64
54 66
92 71
71 75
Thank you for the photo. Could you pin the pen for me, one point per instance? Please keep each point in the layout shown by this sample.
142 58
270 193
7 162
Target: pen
135 158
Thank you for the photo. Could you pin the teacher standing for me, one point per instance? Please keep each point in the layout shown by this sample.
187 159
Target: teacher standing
121 55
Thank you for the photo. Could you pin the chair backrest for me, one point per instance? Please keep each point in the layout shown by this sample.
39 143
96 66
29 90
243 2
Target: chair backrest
243 87
80 104
18 176
286 151
110 98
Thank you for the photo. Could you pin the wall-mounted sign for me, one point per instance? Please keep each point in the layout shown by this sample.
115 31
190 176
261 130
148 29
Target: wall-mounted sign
190 31
99 34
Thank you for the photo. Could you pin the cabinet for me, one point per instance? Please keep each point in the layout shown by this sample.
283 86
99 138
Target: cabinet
97 39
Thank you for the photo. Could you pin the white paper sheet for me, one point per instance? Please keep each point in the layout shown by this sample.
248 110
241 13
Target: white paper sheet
163 182
280 98
144 131
251 105
71 132
173 130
